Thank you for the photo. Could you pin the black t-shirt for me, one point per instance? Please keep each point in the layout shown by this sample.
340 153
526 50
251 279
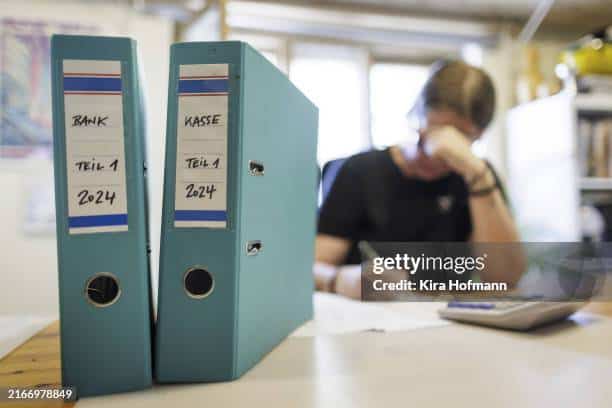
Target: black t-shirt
371 200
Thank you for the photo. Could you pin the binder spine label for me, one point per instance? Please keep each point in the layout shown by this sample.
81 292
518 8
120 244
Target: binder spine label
201 146
95 156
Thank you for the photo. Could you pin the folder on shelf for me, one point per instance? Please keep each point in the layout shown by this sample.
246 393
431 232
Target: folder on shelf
239 203
101 215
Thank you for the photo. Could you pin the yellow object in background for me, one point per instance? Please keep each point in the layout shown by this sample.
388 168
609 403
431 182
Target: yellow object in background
595 57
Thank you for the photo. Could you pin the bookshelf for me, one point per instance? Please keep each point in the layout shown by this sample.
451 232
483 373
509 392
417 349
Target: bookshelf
594 103
559 157
596 184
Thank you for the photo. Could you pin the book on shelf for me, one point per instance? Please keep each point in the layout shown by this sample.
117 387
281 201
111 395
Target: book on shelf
595 147
594 83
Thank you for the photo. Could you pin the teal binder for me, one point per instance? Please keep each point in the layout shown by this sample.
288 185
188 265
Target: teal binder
239 212
101 214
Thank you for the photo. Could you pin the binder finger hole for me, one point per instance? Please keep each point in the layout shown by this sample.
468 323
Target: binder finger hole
254 247
256 168
102 289
199 283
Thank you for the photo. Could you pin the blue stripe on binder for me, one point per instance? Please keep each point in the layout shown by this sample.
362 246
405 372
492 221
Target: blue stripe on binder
97 220
203 85
92 84
196 215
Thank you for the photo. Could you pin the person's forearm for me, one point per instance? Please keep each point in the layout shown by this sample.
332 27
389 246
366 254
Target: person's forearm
331 250
493 224
491 220
348 282
324 276
344 280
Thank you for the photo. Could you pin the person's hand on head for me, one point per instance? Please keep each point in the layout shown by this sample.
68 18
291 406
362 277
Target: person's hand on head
452 147
420 164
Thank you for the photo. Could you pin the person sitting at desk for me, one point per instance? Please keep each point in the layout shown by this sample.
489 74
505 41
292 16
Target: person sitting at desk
433 190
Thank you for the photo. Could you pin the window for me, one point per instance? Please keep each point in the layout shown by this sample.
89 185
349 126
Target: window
393 91
335 79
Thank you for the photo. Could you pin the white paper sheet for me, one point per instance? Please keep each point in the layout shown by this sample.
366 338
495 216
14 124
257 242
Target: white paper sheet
201 150
335 314
16 330
95 151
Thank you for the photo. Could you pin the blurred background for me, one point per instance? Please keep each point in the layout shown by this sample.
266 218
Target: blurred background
362 62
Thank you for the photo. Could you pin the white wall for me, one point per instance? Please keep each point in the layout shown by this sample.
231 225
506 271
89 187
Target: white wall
498 62
28 265
503 63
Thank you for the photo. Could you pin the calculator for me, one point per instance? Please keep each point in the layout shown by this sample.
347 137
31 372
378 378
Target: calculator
515 315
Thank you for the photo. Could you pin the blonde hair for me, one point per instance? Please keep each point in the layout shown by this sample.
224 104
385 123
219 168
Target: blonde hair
461 88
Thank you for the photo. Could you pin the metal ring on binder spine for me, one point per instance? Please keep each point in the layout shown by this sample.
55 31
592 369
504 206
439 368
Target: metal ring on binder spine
88 289
206 293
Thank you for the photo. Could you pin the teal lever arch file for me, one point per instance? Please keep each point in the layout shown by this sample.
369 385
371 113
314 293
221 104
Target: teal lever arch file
101 215
238 223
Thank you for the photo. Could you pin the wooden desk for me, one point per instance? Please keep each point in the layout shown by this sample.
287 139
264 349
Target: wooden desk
564 365
35 363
